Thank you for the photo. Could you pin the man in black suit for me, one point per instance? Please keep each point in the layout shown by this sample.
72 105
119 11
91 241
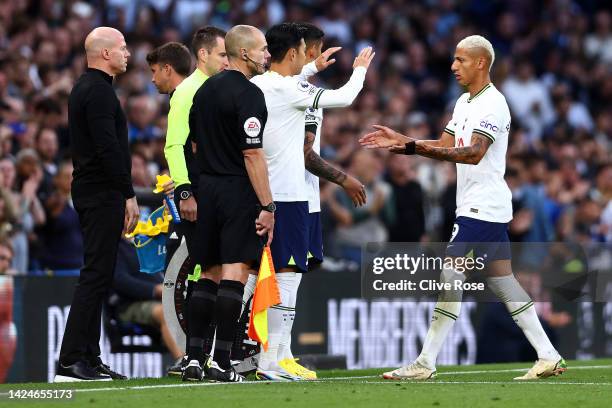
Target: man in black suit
103 197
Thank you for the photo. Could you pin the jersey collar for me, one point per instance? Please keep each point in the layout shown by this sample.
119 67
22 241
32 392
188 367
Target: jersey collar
101 73
200 74
487 86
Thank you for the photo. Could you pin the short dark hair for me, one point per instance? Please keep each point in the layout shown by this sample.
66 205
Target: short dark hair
174 54
281 38
311 33
206 37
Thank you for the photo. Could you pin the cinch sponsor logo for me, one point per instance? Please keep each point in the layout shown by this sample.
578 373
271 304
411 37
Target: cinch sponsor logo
485 124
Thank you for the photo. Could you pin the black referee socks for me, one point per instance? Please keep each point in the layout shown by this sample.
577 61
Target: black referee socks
200 309
227 313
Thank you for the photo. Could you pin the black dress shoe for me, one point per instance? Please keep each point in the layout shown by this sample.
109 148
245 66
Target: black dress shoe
79 371
103 369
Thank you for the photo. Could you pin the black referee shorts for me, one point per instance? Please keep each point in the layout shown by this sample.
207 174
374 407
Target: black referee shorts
227 210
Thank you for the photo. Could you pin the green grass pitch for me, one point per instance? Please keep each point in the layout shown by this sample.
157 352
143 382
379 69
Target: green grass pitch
585 384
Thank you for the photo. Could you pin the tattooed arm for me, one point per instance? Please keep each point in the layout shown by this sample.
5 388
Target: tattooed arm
468 155
321 168
384 137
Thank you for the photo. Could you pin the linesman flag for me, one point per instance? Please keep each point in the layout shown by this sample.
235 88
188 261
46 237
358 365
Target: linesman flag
266 295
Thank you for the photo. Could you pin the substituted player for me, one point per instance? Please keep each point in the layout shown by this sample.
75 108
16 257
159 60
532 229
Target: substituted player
476 138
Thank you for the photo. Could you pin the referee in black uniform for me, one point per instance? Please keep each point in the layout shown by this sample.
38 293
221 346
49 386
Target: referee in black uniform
103 197
227 118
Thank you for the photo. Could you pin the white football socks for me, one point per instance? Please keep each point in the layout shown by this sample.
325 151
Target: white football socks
284 349
522 310
444 315
277 317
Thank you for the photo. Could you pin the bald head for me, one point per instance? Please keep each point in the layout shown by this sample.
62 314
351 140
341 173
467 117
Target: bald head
247 50
240 36
105 49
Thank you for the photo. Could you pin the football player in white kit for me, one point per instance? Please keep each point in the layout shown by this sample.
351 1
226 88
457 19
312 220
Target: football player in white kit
315 167
476 138
287 99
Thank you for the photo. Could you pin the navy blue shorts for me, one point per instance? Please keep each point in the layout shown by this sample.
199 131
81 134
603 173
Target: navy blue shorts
476 238
315 240
290 243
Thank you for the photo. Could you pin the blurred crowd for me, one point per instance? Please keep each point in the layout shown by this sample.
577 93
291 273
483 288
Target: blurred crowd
553 64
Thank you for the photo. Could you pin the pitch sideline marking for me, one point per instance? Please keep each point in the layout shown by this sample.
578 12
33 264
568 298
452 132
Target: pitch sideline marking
508 370
372 382
334 379
478 382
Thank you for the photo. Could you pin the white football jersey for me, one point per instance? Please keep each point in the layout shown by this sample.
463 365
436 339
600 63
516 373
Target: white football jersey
287 99
482 192
314 117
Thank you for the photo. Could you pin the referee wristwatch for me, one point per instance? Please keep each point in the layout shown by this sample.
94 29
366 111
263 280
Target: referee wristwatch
183 193
269 208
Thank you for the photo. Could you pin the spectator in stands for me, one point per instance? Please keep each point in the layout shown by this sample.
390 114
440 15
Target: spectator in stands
408 200
6 257
529 100
28 211
47 149
61 239
140 113
360 225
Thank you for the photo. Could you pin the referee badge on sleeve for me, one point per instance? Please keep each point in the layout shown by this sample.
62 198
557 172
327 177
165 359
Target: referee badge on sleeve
252 128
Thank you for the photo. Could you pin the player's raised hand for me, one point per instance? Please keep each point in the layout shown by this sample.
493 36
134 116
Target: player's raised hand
364 58
323 61
383 138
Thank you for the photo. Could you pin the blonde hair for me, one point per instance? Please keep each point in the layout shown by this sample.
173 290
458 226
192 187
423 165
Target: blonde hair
478 41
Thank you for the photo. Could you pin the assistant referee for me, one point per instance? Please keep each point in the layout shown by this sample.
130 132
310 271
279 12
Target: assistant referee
103 197
228 118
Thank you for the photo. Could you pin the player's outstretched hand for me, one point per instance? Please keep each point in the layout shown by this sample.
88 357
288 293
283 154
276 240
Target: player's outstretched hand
323 61
383 138
264 224
364 58
132 214
355 190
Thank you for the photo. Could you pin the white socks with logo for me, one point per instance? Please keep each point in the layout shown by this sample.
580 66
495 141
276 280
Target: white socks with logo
444 315
279 317
284 349
522 310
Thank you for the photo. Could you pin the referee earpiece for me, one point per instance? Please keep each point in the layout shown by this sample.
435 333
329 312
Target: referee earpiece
244 56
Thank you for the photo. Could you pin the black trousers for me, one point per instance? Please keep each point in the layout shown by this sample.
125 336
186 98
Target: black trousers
101 217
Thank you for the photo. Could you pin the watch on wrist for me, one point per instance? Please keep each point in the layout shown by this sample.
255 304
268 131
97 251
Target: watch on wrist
185 195
269 208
